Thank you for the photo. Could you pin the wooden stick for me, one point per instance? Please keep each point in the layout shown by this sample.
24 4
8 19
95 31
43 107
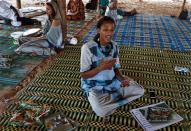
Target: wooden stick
184 2
62 9
18 4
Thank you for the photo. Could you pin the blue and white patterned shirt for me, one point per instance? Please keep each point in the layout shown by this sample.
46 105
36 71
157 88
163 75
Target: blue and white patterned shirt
91 56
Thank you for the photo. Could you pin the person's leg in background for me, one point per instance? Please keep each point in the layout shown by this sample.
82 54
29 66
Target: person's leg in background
126 13
24 20
28 21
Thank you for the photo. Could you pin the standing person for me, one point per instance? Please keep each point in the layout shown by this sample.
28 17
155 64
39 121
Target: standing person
102 81
52 35
10 13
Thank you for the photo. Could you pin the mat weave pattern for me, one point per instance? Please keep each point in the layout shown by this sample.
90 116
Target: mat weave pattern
13 75
59 86
21 65
74 27
151 32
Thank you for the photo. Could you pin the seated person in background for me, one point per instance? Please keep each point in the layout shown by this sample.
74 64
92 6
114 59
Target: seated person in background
10 13
52 38
102 81
116 13
75 10
109 8
92 5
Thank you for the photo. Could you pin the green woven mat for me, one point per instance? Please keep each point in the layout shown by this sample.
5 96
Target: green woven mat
21 65
59 86
74 27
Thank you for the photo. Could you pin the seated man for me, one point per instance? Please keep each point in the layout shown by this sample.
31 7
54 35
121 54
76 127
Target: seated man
75 10
102 81
10 13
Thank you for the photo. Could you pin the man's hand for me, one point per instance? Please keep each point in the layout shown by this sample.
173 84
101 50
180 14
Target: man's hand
107 64
104 65
125 82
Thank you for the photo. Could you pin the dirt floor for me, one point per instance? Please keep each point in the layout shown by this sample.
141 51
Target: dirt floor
153 7
156 7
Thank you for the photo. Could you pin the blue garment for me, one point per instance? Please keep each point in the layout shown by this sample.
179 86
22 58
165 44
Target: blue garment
103 3
104 90
91 57
53 34
42 46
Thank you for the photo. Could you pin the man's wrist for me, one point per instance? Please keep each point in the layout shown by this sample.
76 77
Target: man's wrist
99 69
121 78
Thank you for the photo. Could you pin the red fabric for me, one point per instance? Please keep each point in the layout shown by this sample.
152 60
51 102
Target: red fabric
73 6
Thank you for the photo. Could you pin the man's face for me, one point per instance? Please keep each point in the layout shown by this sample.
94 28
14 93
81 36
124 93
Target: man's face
106 32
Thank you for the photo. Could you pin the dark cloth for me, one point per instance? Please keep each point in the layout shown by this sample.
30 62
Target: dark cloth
92 5
183 14
26 21
15 11
102 10
23 20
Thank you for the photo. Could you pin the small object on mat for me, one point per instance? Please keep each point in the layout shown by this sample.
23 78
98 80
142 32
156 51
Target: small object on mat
73 41
2 22
5 61
119 17
17 34
182 69
16 23
59 122
31 31
156 116
152 94
29 114
159 114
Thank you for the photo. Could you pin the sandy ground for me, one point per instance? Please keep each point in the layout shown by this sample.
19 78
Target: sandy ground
153 7
156 7
26 3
